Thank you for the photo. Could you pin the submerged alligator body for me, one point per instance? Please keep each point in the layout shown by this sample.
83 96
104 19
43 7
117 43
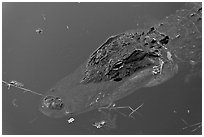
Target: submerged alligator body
128 61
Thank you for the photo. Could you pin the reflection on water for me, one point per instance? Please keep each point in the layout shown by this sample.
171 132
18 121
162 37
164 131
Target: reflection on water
69 32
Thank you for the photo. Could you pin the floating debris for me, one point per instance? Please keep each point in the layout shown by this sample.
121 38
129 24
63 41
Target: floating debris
19 85
196 125
33 120
99 124
174 111
113 107
184 121
67 27
39 31
44 17
189 127
16 83
106 121
14 103
71 120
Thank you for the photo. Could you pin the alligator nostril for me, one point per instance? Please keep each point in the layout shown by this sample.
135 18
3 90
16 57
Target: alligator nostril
57 104
53 106
53 103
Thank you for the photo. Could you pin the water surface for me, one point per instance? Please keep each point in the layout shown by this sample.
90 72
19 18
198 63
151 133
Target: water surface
43 42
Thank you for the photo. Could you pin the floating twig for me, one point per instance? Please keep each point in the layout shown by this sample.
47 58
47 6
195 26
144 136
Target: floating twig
196 124
112 106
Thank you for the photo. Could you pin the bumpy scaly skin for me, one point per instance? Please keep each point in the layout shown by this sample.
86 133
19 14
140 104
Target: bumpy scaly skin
185 32
124 54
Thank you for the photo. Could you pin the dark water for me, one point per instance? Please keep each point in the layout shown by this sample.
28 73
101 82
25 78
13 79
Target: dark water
43 42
